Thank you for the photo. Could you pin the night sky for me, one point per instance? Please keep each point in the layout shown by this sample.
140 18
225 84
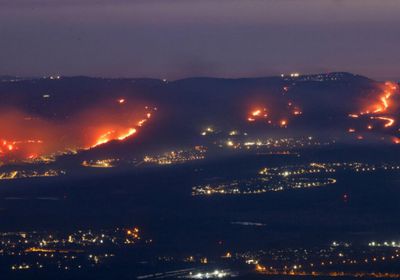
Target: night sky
181 38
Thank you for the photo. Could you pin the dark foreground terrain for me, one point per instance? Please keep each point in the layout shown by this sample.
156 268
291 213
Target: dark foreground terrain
132 223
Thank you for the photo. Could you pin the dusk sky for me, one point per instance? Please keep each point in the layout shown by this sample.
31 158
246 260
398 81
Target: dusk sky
182 38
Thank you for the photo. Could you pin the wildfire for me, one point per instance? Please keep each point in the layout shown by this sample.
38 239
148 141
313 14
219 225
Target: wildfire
262 114
10 147
396 140
119 135
389 121
260 268
382 108
104 138
87 129
384 101
130 132
257 114
297 112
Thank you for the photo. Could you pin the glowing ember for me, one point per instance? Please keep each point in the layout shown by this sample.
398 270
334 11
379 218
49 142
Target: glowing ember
297 112
280 120
256 113
396 140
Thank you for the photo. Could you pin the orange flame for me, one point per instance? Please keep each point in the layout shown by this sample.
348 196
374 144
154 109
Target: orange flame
396 140
119 135
389 121
87 129
383 107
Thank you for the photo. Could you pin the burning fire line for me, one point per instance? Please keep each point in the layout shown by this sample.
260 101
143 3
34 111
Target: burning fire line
111 135
376 110
389 121
14 150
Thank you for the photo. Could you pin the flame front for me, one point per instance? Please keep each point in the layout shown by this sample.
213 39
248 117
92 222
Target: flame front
88 129
381 108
